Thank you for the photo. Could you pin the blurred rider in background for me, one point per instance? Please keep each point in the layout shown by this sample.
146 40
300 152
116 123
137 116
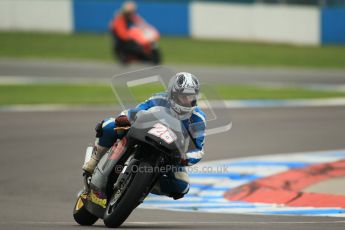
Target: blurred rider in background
119 27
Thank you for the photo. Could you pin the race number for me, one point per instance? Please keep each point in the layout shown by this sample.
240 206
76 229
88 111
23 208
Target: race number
163 132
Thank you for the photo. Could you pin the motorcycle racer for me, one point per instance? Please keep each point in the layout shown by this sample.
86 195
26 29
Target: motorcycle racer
181 97
124 44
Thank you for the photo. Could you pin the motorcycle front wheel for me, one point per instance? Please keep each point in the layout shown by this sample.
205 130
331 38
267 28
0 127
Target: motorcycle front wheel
126 199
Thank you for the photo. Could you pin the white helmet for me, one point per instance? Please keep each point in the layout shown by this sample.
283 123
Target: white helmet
183 93
129 7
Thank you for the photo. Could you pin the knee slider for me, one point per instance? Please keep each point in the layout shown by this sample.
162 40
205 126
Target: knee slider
181 190
183 187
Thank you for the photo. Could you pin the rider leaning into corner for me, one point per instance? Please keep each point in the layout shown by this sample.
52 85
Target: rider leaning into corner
119 27
181 97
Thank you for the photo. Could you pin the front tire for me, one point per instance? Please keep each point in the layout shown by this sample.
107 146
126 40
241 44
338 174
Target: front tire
81 215
129 199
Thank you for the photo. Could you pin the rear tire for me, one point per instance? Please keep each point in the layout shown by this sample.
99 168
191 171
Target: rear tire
156 57
81 215
115 215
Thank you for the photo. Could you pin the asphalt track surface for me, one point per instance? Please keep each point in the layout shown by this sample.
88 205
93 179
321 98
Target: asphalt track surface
102 72
42 153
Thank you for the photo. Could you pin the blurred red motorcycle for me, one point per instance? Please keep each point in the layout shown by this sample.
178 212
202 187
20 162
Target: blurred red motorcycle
142 45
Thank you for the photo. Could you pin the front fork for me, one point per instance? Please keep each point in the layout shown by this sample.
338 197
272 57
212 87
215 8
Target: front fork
157 162
121 181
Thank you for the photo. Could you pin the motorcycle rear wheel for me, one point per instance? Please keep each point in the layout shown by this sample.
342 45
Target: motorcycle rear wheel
156 57
81 215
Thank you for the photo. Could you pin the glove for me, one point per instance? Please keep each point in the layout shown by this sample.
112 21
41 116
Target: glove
191 157
122 124
122 121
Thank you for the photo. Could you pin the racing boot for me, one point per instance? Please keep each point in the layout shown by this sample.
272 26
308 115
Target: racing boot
97 153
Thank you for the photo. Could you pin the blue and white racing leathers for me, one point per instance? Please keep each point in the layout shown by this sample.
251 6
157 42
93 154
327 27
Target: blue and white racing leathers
176 183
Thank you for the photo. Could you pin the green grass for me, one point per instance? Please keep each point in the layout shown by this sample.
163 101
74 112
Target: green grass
55 94
175 50
251 54
61 46
254 92
101 94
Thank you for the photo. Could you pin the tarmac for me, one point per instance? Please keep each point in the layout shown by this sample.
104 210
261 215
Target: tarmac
42 153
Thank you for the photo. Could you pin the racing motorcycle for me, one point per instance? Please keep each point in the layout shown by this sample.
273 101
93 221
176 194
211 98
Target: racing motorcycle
146 37
126 174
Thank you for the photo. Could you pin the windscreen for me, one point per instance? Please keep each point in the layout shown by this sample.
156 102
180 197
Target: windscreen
134 88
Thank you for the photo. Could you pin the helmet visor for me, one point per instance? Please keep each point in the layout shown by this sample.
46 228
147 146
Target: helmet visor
186 100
